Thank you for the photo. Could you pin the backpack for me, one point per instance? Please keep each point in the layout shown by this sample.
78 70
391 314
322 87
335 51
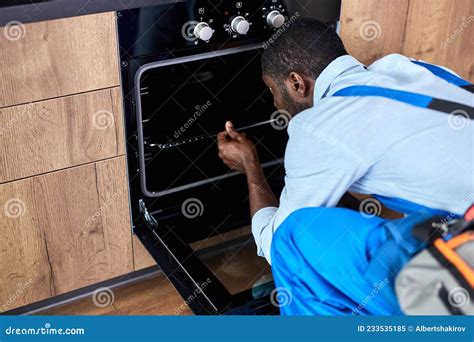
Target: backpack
439 279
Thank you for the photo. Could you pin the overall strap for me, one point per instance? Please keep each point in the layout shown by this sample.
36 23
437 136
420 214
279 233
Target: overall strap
446 75
414 99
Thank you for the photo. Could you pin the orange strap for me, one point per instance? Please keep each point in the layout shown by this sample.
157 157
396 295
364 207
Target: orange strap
447 251
458 240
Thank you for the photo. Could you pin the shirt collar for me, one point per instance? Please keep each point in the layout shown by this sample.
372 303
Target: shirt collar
337 67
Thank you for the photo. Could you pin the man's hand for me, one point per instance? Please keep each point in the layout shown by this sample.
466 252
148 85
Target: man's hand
235 150
239 154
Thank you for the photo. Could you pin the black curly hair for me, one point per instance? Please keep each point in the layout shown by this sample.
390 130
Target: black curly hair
305 46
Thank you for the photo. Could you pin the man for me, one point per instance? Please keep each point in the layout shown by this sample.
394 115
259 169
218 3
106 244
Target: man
415 159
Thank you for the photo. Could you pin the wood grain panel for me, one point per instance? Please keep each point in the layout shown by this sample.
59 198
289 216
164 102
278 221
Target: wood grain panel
74 231
25 273
442 32
58 57
155 296
372 29
55 134
142 259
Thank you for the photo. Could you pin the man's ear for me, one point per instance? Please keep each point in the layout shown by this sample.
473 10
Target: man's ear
296 83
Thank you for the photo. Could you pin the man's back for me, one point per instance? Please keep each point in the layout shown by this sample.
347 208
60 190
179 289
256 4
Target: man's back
375 145
420 155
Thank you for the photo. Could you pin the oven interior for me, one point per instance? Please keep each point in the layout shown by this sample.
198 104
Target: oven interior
185 104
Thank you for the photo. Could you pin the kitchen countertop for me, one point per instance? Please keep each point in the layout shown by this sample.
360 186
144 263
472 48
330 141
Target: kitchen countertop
27 11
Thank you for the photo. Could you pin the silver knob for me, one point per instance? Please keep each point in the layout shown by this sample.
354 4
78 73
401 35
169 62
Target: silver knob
275 19
203 31
240 25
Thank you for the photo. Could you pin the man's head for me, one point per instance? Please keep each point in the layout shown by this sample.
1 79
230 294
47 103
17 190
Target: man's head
293 62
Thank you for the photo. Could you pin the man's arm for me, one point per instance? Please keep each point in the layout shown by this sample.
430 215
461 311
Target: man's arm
240 154
260 194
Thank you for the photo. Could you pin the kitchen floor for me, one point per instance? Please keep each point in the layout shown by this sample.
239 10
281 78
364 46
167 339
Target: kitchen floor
237 267
154 296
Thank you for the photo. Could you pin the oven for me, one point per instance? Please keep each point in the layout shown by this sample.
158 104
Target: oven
187 68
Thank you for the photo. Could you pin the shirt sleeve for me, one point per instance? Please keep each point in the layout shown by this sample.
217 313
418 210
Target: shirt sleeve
319 171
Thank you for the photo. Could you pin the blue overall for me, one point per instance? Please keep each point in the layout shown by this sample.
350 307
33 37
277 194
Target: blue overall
334 261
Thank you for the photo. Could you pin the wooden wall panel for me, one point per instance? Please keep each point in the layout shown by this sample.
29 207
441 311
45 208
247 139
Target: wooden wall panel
372 29
142 259
58 57
72 230
437 31
442 32
60 133
25 273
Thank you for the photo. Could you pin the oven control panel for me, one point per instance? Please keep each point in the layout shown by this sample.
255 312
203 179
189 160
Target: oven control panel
228 20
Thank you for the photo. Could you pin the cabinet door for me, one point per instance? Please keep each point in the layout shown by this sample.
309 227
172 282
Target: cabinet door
441 32
372 29
59 57
60 133
63 231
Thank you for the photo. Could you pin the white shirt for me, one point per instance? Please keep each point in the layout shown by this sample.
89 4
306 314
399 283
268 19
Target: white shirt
374 145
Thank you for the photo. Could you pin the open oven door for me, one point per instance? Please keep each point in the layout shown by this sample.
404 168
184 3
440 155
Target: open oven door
221 278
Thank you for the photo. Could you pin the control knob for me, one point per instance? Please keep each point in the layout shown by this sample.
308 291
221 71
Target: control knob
240 25
275 19
203 31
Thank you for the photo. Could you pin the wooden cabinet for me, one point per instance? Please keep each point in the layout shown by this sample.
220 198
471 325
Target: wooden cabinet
59 133
64 230
57 58
437 31
442 32
64 211
372 29
142 259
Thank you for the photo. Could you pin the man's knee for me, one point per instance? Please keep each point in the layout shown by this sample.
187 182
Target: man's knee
313 232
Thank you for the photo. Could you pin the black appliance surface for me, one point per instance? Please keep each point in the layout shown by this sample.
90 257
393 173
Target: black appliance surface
28 11
178 92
